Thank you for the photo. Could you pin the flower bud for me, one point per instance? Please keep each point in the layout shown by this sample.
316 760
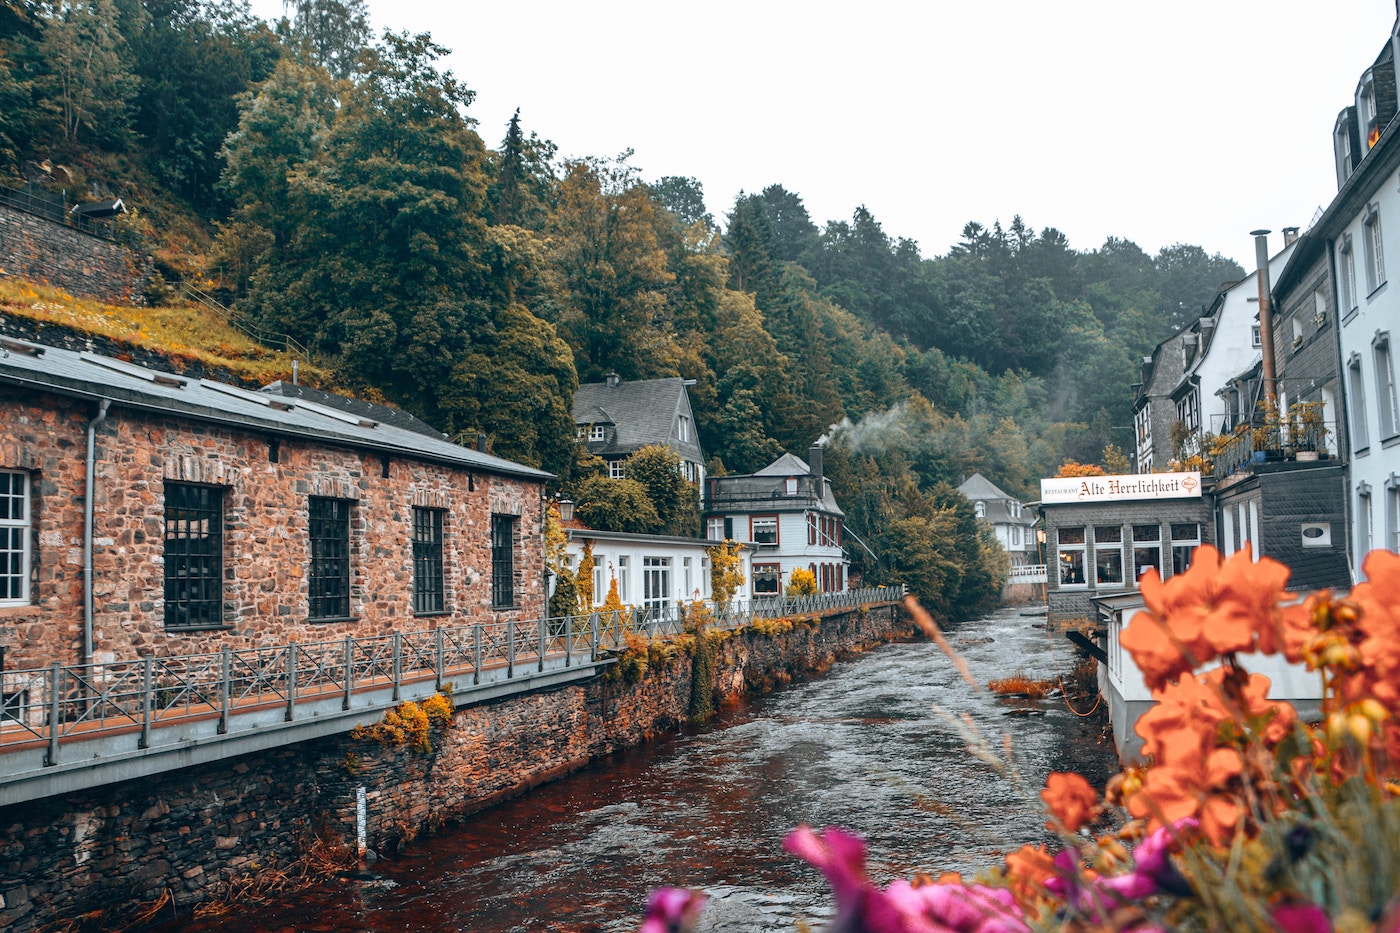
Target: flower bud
1372 709
1360 728
1336 728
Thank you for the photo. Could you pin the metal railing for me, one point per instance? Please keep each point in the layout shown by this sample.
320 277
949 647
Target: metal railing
1273 442
1027 573
59 703
55 208
244 324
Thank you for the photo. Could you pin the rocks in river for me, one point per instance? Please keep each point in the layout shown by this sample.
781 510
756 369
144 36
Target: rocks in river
1024 711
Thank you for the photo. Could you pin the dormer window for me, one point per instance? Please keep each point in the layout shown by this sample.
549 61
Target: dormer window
790 486
598 432
1341 146
1366 112
981 508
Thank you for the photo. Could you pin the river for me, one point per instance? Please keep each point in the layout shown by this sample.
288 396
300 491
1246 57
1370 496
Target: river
863 747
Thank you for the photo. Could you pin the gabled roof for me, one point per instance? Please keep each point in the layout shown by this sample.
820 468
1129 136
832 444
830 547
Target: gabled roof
786 465
642 412
980 489
978 486
346 423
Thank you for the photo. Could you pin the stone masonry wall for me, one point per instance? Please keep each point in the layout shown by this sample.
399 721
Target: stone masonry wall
43 251
265 527
196 831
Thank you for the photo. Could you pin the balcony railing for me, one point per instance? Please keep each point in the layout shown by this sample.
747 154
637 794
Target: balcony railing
247 689
1267 443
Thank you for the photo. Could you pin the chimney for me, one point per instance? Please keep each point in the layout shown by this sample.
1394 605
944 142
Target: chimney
1266 315
613 380
1290 235
814 460
481 441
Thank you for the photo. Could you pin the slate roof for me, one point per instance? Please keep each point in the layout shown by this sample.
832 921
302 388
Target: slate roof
786 465
765 490
637 413
980 489
90 376
385 414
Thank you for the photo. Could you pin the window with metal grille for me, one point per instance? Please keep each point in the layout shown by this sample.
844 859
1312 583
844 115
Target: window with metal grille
14 537
503 561
194 555
328 585
427 561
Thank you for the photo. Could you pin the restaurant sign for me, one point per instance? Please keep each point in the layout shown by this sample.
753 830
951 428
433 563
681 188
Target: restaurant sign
1062 489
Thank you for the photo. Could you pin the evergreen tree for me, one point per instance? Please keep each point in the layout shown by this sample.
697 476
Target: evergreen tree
335 32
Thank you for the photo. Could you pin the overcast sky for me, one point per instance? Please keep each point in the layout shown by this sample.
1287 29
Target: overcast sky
1193 121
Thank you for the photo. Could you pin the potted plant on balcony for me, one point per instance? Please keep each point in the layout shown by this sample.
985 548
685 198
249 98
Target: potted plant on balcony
1308 430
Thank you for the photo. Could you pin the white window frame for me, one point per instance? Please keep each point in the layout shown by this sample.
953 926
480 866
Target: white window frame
1387 405
1356 387
683 428
597 432
1066 548
1366 109
656 584
1375 249
980 508
600 579
766 521
714 529
14 527
1365 540
624 578
1346 274
1341 147
617 469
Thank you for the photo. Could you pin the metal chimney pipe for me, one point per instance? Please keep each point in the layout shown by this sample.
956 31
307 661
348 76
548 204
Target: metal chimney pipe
1266 313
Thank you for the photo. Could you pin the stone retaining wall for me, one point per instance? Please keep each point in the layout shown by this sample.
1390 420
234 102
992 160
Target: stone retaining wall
195 832
34 248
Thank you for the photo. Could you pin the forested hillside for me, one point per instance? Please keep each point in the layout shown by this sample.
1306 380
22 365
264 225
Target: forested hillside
334 187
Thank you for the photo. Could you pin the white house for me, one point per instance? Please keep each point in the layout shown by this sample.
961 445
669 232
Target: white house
787 513
1012 522
1223 343
1362 230
653 572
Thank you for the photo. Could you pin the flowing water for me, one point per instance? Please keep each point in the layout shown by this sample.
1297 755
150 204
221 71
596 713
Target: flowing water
867 747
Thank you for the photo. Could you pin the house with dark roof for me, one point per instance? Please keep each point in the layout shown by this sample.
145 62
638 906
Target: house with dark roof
787 513
1013 524
147 512
617 418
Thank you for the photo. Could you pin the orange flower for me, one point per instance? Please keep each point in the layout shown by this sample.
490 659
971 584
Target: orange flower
1194 769
1070 798
1027 870
1216 607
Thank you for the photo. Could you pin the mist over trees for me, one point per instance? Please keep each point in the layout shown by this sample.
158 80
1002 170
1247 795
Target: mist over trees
333 186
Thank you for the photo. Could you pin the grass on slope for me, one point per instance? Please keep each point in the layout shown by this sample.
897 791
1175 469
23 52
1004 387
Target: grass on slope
181 333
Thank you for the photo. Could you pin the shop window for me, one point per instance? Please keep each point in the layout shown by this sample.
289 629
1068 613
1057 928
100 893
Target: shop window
1147 550
1108 555
1072 547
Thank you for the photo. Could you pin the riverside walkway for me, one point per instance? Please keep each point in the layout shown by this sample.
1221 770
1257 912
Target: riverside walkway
64 728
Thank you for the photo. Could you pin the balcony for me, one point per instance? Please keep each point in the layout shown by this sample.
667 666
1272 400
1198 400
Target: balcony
1270 442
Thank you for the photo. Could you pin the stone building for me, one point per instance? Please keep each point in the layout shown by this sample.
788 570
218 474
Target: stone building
143 512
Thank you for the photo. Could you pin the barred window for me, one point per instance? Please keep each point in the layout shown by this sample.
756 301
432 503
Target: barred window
503 561
328 585
14 537
194 555
427 561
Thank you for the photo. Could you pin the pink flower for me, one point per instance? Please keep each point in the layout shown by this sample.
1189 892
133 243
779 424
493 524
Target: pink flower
1296 916
902 908
672 910
840 856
